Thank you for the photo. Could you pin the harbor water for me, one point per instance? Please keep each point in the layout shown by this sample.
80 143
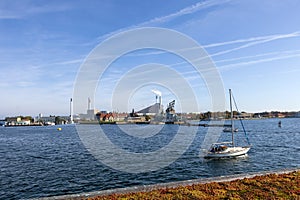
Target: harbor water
42 161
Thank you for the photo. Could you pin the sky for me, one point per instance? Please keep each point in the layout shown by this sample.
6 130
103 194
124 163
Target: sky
254 44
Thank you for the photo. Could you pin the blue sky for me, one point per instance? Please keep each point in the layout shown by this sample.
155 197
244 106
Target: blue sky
255 45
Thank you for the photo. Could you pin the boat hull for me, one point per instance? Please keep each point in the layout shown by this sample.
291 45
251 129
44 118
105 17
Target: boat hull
229 153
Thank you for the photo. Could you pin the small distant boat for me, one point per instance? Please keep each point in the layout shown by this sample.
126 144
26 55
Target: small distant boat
228 149
229 130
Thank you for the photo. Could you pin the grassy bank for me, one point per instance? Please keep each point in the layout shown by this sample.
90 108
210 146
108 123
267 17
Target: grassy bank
271 186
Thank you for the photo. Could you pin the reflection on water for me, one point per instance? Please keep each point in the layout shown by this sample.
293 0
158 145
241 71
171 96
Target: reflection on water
219 167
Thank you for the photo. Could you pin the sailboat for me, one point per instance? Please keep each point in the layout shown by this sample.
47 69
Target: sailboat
228 149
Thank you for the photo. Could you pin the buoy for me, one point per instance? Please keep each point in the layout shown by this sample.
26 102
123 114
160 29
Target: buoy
59 129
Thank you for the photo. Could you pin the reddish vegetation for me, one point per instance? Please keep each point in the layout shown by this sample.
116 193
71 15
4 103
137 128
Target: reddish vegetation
273 186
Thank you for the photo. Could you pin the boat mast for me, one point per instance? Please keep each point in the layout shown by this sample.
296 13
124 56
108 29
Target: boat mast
231 116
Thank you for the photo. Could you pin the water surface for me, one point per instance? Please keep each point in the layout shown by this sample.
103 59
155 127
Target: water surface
41 161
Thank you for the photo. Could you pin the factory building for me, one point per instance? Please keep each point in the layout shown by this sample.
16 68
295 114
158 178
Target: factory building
155 109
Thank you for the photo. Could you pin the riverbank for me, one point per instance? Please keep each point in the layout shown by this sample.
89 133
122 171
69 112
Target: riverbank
268 185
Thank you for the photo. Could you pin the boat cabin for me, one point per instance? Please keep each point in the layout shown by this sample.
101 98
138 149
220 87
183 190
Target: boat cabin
218 148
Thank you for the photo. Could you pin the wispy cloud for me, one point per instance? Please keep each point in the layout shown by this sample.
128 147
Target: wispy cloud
255 39
163 19
252 41
234 63
17 10
185 11
67 62
238 61
276 53
20 78
258 41
240 64
195 8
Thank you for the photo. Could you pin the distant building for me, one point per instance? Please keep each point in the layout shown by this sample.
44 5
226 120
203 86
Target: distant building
15 121
244 115
152 110
121 116
105 117
90 115
133 117
46 120
52 120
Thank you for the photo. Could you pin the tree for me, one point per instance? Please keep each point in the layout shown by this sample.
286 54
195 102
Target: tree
57 120
147 117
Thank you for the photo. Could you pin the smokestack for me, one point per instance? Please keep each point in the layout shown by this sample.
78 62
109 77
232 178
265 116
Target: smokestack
157 95
89 103
71 111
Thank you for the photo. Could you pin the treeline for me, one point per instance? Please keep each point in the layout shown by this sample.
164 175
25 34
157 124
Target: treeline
227 115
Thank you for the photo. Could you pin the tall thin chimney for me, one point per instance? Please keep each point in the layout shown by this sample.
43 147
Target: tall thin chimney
71 111
89 103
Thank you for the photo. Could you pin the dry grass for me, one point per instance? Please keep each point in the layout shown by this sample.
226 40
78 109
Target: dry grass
273 186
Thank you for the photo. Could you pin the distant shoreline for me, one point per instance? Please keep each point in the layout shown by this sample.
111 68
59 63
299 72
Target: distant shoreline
203 123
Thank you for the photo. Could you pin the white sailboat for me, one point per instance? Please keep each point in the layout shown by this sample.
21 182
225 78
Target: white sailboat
228 149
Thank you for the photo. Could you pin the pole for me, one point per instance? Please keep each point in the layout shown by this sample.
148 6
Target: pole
71 111
231 116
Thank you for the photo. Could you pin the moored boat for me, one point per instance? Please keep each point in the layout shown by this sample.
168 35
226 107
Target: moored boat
228 149
229 130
